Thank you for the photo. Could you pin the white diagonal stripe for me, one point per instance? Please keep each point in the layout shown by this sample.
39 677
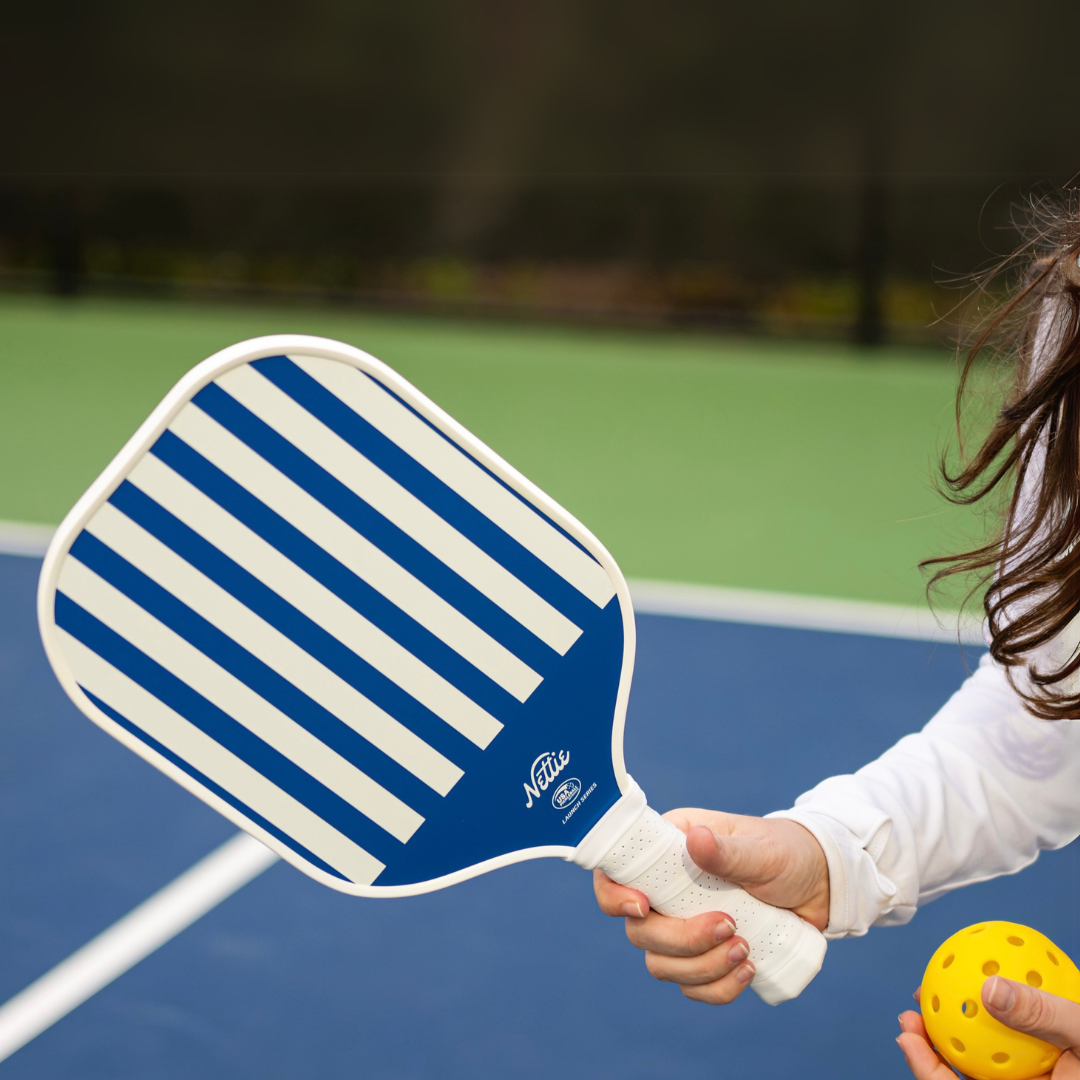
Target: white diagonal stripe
458 471
178 656
223 767
304 512
258 637
324 607
396 504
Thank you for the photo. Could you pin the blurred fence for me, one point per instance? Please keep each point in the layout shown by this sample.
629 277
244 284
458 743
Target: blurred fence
874 258
780 167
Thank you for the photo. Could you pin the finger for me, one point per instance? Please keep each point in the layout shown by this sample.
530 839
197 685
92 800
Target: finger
1035 1012
912 1022
921 1059
686 817
918 994
723 991
617 900
748 860
1067 1068
698 970
680 937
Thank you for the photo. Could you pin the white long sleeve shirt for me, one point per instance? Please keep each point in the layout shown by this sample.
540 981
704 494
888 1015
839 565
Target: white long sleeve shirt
979 792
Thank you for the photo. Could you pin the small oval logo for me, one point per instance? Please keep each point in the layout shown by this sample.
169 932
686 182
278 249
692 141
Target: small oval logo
566 793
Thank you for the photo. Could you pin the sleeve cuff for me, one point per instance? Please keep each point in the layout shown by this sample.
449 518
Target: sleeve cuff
859 894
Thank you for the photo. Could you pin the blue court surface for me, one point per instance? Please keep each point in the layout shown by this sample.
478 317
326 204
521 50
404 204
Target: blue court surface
513 974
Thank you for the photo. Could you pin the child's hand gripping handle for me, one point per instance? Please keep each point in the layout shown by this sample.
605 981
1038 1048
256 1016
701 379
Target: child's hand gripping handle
651 856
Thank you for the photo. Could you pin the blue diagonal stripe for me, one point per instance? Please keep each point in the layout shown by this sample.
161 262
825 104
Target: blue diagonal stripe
220 727
217 789
441 498
322 566
476 461
367 521
266 682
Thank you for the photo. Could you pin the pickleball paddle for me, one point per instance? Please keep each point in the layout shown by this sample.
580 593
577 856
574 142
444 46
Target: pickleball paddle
316 601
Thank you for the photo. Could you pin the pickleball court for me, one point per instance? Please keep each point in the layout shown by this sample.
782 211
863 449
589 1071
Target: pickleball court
515 973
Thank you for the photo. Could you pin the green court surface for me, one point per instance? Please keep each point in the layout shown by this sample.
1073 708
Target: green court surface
693 457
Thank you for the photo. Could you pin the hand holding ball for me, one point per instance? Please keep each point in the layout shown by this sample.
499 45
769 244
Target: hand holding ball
963 1031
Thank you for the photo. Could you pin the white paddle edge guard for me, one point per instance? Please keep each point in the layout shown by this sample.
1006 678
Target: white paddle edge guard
148 432
636 847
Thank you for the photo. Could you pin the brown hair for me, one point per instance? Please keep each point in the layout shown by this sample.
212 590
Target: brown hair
1032 563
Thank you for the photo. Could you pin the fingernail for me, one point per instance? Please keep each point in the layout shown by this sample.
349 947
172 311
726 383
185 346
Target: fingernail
745 973
632 910
738 952
1000 993
723 930
900 1020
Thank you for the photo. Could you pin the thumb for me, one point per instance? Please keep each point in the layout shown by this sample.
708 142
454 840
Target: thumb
1053 1019
746 860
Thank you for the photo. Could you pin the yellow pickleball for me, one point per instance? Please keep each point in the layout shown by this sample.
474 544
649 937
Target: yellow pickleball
963 1031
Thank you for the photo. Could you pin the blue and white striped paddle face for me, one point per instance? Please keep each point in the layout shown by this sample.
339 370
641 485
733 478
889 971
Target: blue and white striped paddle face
309 596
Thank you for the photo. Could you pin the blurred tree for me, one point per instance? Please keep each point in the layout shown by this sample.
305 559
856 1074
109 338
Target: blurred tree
656 134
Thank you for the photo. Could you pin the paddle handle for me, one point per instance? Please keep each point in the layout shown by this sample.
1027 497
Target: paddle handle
651 857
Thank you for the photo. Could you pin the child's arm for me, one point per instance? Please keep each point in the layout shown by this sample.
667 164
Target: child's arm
979 792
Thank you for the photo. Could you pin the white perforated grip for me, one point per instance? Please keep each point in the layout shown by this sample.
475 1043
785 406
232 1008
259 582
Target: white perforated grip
651 856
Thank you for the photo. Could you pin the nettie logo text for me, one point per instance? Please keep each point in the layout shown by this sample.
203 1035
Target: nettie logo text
544 770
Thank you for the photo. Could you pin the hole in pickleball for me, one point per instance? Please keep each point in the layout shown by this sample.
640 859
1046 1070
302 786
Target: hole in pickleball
948 960
958 1046
934 1003
976 930
1034 978
1053 958
969 1008
1014 940
991 967
1000 1057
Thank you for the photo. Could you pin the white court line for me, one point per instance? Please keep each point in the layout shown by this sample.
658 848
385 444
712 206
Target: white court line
23 538
804 612
135 936
716 602
225 870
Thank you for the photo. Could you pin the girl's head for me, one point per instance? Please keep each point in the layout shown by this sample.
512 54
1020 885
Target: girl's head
1030 460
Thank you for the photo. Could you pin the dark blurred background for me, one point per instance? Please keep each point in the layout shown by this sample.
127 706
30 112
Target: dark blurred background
825 168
